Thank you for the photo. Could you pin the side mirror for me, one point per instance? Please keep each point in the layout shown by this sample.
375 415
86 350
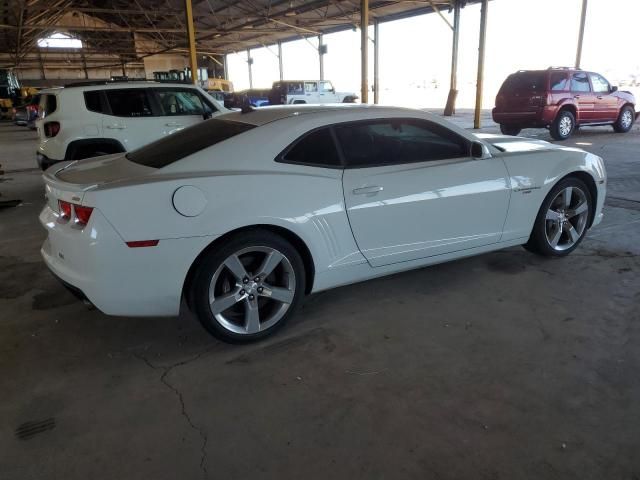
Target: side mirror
477 150
614 89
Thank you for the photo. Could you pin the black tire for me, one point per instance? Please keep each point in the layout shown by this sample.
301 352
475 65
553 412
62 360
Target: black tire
558 128
214 260
509 129
623 125
538 242
349 99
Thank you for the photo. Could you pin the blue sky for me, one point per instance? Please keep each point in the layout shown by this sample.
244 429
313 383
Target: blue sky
415 54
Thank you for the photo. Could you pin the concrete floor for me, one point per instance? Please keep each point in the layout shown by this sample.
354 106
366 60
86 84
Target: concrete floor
502 366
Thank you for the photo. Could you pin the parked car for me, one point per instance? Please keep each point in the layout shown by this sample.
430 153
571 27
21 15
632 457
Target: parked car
254 97
561 99
99 118
246 213
27 113
307 91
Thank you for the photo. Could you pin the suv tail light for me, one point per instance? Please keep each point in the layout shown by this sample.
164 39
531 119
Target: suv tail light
32 108
51 129
65 209
83 214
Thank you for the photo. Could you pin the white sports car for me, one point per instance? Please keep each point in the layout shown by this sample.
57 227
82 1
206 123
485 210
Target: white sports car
245 214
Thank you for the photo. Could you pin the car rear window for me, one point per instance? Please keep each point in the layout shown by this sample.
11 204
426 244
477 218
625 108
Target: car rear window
524 82
186 142
48 105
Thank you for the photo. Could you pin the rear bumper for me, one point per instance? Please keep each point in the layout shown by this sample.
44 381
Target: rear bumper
541 117
96 262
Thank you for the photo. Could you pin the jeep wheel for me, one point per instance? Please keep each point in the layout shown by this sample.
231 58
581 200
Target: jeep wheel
563 126
625 119
509 129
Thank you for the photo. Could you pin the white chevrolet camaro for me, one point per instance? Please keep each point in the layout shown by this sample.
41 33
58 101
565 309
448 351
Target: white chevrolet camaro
245 214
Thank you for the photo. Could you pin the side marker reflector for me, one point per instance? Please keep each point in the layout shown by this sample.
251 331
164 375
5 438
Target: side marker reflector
143 243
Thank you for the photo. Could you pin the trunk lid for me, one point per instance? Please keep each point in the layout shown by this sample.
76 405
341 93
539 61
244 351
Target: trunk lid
522 92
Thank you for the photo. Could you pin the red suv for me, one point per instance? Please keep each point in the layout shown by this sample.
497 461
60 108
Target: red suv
561 99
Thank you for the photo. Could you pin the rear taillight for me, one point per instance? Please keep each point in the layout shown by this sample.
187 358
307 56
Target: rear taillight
51 129
65 210
32 108
83 214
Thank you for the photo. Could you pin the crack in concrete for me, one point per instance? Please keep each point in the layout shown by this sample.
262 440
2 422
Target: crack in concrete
163 378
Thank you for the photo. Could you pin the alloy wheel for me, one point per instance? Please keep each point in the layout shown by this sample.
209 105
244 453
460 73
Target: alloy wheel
627 119
565 126
566 219
252 290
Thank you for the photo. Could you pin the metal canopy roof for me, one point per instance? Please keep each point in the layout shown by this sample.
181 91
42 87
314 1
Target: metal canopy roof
222 26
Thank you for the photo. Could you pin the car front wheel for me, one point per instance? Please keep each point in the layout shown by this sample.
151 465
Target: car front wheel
249 287
563 219
563 126
625 120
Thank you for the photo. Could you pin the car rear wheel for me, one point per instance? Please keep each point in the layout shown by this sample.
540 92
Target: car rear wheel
509 129
563 219
563 126
625 119
249 287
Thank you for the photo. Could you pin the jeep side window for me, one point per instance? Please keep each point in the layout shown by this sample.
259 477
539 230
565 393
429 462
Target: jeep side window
326 86
132 102
559 82
580 82
600 85
310 87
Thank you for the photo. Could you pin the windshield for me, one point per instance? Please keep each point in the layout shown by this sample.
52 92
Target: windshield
186 142
524 82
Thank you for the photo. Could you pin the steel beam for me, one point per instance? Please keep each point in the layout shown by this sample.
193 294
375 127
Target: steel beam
320 57
583 18
481 47
364 51
280 60
450 109
191 33
376 58
226 68
249 62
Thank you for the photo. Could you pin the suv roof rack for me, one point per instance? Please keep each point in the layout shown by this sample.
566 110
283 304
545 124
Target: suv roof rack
564 68
91 83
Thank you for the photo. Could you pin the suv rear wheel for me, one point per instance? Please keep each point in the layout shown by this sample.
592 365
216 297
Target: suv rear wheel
509 129
563 126
625 119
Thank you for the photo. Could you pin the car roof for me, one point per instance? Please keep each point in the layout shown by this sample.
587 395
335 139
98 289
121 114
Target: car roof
263 115
116 86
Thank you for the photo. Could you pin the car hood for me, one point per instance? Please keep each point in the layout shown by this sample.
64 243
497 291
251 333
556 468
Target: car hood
510 144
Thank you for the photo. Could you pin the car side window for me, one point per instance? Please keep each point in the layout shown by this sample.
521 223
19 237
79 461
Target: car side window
179 102
580 83
559 82
398 141
310 87
132 102
94 101
600 85
326 86
316 148
295 88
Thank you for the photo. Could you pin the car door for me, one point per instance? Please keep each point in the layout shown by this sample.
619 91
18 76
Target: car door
311 92
129 118
583 96
412 190
326 93
179 108
606 105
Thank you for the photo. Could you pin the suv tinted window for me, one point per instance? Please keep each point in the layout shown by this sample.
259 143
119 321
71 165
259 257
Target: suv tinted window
398 141
186 142
559 81
93 101
316 148
132 102
179 102
600 85
48 104
524 82
580 83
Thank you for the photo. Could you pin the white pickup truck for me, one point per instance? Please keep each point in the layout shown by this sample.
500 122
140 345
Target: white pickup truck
307 91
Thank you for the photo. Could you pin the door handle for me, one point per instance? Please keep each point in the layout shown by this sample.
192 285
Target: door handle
367 190
576 96
116 126
173 124
599 97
